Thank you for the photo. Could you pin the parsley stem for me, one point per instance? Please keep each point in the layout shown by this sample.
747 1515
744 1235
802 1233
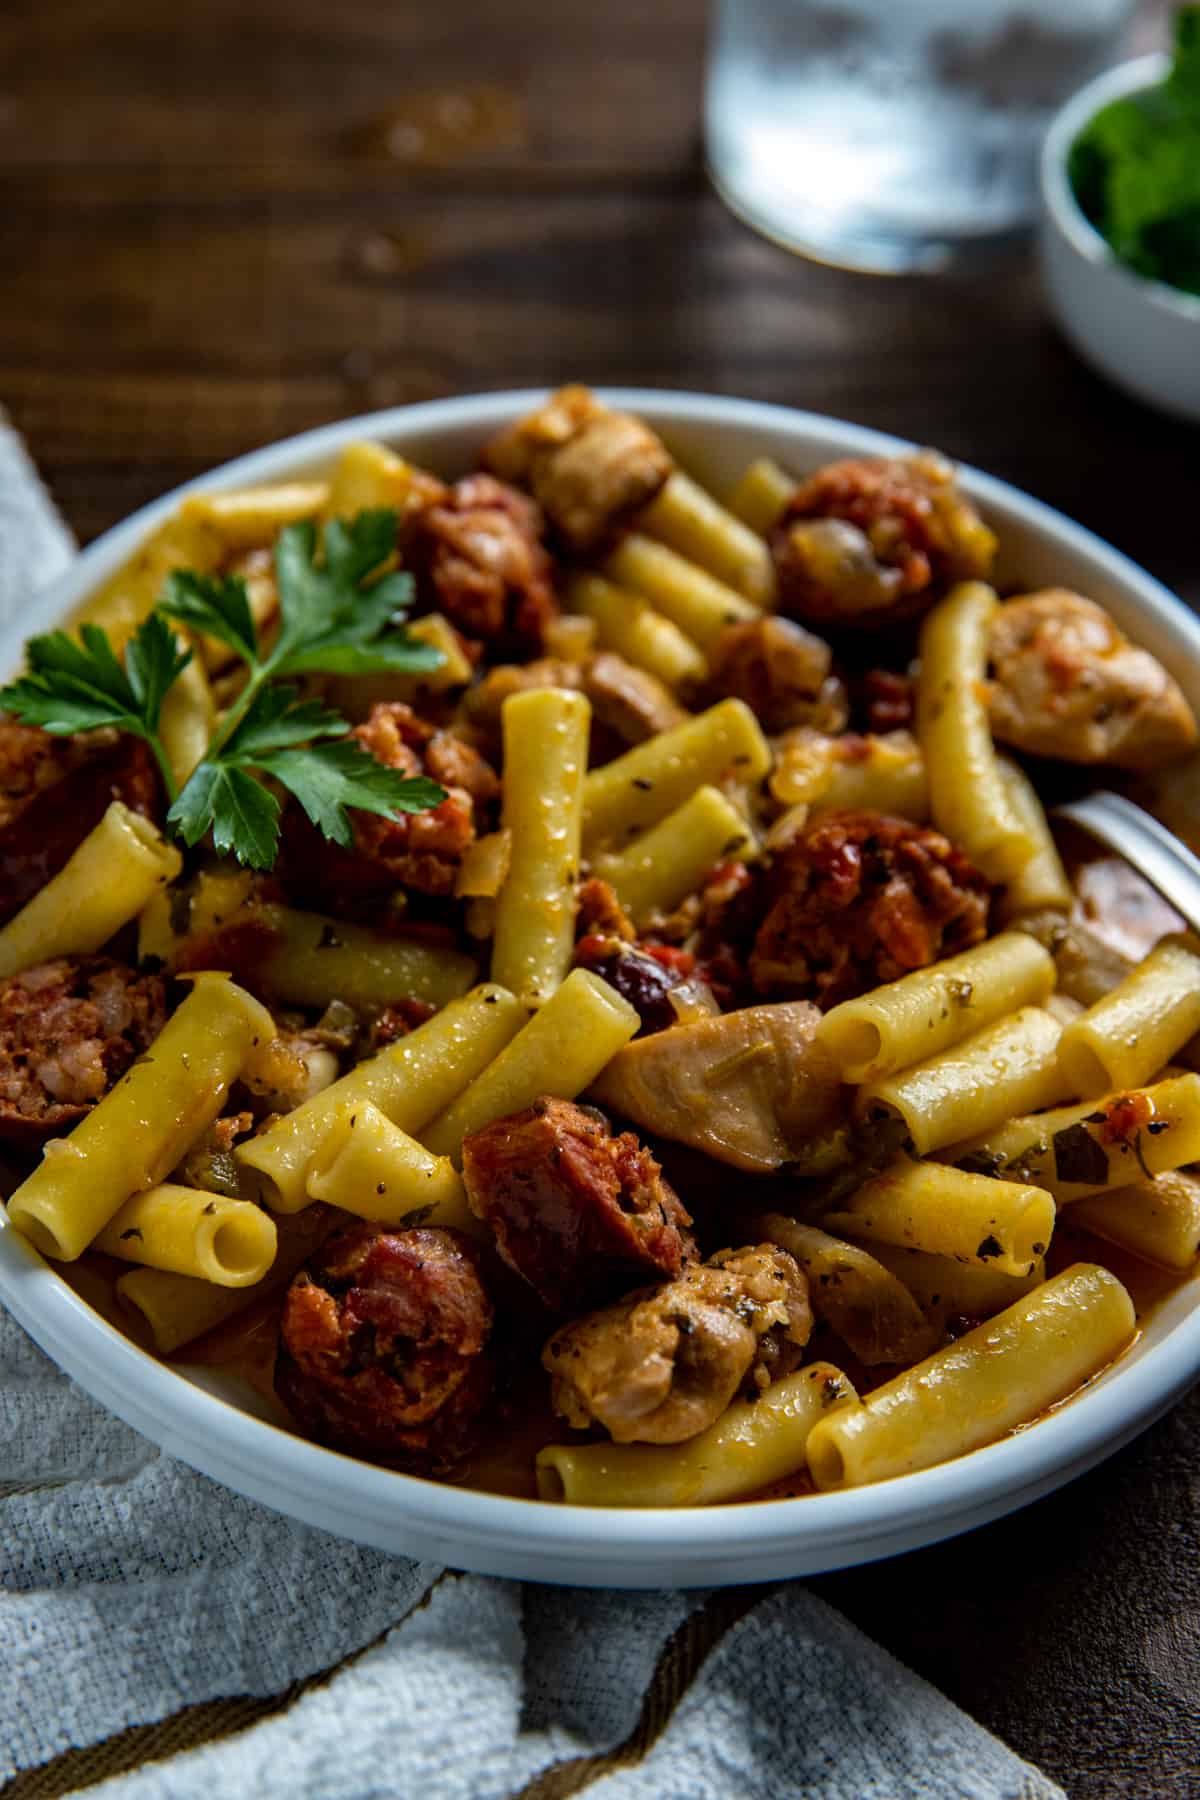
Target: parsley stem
164 767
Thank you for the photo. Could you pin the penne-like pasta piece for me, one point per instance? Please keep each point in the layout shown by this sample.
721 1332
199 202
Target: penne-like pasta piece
369 475
247 517
545 764
636 790
369 1167
309 960
136 1135
688 518
1078 1150
693 599
410 1082
629 625
103 885
124 600
753 1444
1001 1375
762 494
192 1232
1135 1030
922 1014
942 1210
1157 1220
189 714
668 862
854 1292
1009 1067
176 1309
968 797
1041 883
947 1289
484 867
884 774
560 1053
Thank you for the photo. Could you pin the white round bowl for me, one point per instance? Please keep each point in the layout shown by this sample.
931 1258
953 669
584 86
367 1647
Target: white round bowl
214 1423
1144 335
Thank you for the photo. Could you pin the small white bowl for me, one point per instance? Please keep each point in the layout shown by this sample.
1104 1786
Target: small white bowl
218 1425
1144 335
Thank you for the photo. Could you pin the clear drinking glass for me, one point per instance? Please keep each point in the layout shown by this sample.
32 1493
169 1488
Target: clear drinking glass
893 135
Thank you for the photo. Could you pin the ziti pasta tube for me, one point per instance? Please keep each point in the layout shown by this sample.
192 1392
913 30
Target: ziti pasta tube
1157 1220
136 1135
944 1288
634 791
1135 1030
1078 1150
1002 1374
106 882
660 868
752 1444
968 797
918 1016
686 516
1006 1068
690 597
632 628
933 1207
410 1082
175 1309
315 959
1041 882
545 763
560 1052
761 495
192 1232
369 1167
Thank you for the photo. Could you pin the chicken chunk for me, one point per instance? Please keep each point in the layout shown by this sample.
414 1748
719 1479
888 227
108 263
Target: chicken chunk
478 558
580 1213
1067 683
590 468
68 1030
664 1363
861 898
422 850
781 671
752 1088
384 1346
872 540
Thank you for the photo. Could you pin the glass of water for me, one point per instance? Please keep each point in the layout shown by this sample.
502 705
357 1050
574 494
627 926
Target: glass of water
893 135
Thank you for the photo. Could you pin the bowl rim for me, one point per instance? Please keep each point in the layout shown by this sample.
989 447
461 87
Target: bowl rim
703 1545
1135 76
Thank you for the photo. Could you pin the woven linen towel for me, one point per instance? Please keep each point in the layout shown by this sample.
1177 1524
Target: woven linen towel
161 1636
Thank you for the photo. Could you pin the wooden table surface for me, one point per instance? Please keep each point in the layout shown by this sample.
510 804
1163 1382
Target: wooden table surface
224 221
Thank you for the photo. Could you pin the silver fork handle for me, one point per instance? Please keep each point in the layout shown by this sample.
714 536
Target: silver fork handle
1154 851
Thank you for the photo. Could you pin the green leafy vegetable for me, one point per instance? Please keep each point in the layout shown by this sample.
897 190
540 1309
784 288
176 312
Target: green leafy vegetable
1135 169
334 619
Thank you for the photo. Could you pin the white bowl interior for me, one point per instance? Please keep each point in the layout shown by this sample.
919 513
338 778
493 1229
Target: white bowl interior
213 1422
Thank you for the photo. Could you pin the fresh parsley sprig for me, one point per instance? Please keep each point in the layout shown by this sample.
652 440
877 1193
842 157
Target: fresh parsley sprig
334 619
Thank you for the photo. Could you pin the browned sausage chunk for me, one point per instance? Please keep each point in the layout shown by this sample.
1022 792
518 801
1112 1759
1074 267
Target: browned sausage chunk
53 791
860 899
478 557
871 540
665 1363
589 467
1067 683
68 1030
383 1345
421 851
781 671
581 1214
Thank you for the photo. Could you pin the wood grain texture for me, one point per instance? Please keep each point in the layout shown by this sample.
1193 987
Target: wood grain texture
227 220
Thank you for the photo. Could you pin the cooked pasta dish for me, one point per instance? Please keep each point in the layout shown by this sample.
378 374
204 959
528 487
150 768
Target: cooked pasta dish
566 982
